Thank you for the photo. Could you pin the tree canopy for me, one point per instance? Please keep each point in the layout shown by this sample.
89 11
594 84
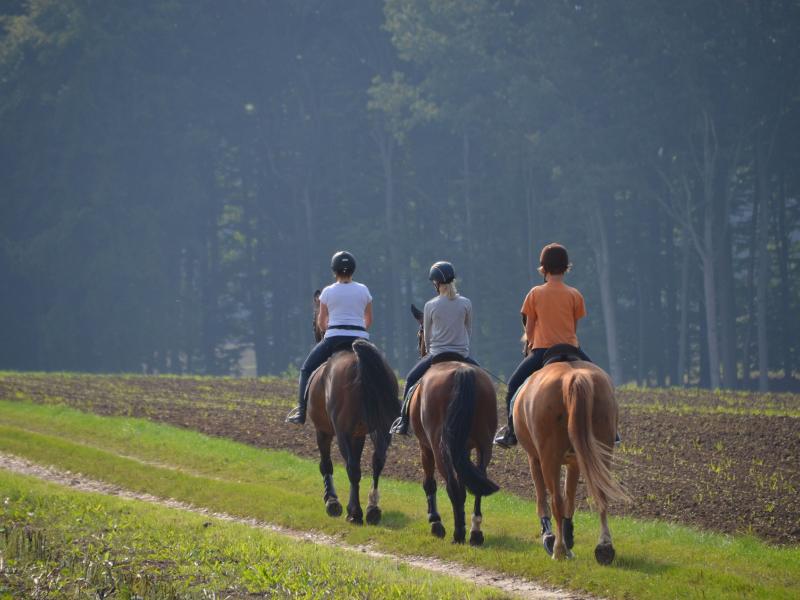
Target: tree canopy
176 175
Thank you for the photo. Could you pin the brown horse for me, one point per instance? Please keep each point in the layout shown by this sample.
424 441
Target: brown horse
353 394
566 414
453 410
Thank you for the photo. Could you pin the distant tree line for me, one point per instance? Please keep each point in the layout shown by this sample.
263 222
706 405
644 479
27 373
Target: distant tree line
175 175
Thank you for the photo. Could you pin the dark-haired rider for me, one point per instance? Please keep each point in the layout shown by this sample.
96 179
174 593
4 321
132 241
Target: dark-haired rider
446 327
345 313
550 314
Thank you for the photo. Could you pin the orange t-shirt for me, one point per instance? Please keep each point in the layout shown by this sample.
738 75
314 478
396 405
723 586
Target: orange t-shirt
552 311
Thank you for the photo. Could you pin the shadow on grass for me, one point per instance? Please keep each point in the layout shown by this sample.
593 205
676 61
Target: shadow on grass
641 565
511 543
394 519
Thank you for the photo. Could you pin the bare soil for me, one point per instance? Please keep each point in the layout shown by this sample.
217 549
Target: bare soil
690 458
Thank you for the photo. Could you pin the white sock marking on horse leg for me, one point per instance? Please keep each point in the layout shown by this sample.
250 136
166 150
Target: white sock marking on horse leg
374 498
476 522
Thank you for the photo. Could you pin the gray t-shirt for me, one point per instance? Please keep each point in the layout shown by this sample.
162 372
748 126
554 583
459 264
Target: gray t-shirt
447 325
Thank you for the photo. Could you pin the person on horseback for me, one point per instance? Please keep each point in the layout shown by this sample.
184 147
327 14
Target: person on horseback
550 315
345 314
447 326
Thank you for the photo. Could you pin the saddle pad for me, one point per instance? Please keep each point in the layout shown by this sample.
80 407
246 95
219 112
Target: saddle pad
410 393
315 371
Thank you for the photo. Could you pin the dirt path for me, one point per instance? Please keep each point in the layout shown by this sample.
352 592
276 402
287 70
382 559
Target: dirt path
517 586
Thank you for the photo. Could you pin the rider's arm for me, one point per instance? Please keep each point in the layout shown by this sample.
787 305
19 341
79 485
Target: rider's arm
468 319
368 315
322 317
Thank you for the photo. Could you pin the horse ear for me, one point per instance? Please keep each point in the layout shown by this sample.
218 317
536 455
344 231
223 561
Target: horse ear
417 313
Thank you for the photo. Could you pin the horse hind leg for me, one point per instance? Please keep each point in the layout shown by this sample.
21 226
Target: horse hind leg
381 445
475 534
355 446
332 505
552 475
570 488
604 552
429 486
542 508
458 495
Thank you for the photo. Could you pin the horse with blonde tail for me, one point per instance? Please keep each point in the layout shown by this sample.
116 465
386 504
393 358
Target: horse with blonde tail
566 414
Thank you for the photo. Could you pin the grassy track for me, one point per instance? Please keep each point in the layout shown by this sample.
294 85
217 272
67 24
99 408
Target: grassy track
61 543
654 560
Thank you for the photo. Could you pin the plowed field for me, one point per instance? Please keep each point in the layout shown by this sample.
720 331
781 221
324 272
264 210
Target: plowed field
723 462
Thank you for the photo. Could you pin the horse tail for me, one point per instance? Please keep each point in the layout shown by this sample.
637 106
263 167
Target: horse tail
593 457
378 386
457 426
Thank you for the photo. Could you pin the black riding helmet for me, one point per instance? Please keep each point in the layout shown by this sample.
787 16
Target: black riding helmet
343 263
442 272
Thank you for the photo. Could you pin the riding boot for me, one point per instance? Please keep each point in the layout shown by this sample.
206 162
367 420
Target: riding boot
506 438
297 415
400 425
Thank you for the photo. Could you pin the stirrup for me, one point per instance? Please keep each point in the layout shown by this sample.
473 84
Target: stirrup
296 417
399 427
505 438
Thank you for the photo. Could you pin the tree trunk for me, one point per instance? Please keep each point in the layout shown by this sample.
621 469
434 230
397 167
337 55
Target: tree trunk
763 270
747 360
386 146
783 269
607 297
683 307
727 311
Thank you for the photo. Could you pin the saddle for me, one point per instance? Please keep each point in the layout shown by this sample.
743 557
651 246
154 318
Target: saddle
561 353
447 357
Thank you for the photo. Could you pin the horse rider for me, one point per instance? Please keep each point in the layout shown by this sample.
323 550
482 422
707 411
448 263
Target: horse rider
550 315
446 329
345 313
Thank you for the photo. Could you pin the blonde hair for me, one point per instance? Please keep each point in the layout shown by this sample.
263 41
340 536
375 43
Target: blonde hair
449 289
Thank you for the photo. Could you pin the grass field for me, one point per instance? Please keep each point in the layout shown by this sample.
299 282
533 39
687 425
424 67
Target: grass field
61 543
654 560
719 461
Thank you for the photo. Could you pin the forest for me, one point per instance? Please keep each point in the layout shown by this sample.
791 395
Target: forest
176 174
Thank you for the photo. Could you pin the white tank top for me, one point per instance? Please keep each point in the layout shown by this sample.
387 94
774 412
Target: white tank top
346 303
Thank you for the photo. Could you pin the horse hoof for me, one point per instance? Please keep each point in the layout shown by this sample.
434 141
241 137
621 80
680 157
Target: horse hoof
569 533
548 541
333 508
459 536
355 519
373 515
562 553
605 553
476 538
437 529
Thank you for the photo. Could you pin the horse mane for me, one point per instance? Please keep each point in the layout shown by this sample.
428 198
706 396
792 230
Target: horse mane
378 386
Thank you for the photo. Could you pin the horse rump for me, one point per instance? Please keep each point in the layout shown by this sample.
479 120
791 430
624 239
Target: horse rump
455 434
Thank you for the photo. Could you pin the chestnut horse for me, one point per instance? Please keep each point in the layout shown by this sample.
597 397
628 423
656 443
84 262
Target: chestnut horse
566 414
351 395
453 410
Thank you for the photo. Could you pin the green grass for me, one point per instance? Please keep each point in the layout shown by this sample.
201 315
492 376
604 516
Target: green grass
654 559
62 543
